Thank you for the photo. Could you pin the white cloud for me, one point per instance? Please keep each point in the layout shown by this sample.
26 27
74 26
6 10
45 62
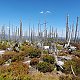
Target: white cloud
41 12
47 12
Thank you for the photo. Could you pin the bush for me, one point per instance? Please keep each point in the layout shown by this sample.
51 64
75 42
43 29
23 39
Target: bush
19 56
59 47
75 65
76 53
15 69
14 56
34 61
8 55
35 53
3 46
19 77
31 51
45 52
45 67
49 59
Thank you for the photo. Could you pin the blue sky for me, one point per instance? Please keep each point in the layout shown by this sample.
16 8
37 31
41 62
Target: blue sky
33 11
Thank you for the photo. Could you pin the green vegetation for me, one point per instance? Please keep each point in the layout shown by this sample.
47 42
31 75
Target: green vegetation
76 53
45 52
49 59
59 47
45 67
14 71
75 65
4 45
36 53
18 70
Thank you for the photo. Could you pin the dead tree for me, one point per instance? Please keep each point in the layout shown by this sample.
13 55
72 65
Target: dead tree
52 33
56 35
67 28
9 31
31 36
72 33
18 32
38 30
3 33
12 32
45 33
29 32
33 33
76 30
20 29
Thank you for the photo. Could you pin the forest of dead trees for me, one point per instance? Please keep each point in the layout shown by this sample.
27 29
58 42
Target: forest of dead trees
16 33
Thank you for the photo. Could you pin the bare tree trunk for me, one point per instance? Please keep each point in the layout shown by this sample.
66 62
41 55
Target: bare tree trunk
67 28
73 71
76 30
52 33
72 33
20 29
18 32
9 31
3 33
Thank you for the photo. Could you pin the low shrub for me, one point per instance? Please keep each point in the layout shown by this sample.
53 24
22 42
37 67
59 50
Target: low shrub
75 65
45 67
49 59
8 55
34 61
14 70
34 55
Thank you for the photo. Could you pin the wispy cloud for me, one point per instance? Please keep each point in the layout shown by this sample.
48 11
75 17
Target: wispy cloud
41 12
47 12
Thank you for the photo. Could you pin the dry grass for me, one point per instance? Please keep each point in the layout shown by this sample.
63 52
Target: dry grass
44 76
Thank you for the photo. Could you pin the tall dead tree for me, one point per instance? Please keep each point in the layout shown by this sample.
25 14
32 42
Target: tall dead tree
3 33
56 35
38 30
31 36
33 32
62 34
78 35
67 28
76 30
18 32
12 32
29 32
45 33
72 33
9 31
20 29
52 33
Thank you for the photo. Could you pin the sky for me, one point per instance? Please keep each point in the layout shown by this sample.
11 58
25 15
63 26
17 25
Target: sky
34 11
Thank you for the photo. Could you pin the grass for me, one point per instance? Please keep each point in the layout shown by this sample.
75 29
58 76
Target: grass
44 76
